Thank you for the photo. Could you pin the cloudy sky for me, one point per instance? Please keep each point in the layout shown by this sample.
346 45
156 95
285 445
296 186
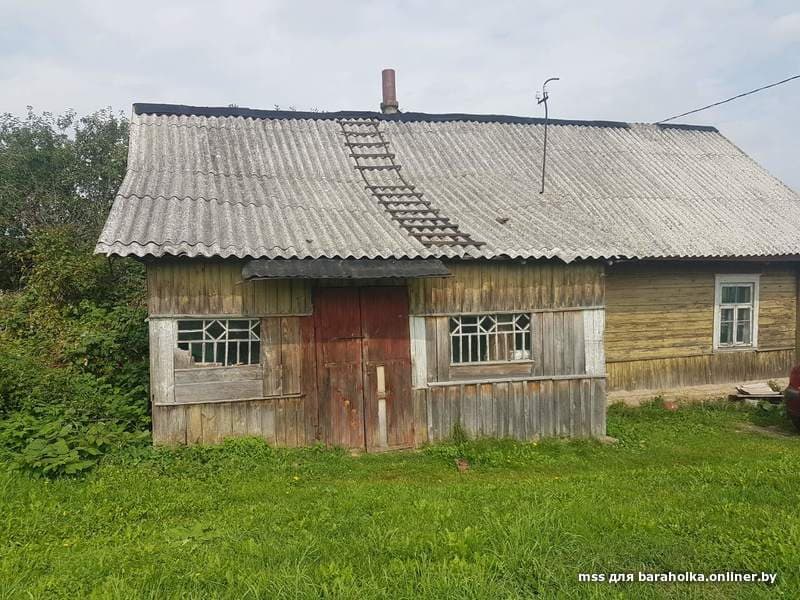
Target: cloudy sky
619 60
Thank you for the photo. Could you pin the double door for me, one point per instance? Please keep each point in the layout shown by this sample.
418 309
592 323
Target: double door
364 367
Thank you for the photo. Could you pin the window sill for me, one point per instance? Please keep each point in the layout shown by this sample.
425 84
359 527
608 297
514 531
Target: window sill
490 363
728 349
232 400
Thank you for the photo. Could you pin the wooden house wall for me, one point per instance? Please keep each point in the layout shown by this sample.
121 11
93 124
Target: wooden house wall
275 400
559 392
660 325
215 287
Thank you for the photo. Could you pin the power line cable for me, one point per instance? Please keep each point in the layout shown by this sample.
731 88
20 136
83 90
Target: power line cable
696 110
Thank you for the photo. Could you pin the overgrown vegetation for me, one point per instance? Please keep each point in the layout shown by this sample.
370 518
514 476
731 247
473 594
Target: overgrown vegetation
698 489
73 344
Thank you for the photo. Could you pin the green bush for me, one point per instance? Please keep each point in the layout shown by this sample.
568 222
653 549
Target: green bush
73 358
52 446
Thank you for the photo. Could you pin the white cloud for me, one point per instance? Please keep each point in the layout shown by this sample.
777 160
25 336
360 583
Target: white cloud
786 27
623 60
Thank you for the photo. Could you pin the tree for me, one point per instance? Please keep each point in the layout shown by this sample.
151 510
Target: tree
56 170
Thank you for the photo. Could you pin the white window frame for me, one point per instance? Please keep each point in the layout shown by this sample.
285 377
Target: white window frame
497 335
728 279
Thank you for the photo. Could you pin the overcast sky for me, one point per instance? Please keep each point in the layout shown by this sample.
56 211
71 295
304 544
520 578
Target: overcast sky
626 60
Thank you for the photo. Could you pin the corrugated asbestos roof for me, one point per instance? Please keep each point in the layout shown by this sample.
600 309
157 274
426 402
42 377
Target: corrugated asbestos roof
267 184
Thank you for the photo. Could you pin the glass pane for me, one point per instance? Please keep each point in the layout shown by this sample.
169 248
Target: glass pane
743 314
453 324
725 333
215 329
743 332
726 314
255 354
728 294
244 354
482 350
197 352
186 336
233 353
469 327
238 324
455 347
743 294
185 325
523 321
505 326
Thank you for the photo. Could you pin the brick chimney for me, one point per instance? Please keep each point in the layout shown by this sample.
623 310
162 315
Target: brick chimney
389 105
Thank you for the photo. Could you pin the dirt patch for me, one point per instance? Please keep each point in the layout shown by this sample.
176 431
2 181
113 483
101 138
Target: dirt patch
769 431
683 395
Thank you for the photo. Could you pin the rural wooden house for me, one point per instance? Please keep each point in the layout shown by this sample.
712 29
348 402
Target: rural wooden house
369 280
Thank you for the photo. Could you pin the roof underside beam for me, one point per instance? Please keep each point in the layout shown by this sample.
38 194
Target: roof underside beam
343 268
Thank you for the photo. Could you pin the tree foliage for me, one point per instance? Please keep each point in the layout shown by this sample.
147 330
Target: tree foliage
73 339
56 170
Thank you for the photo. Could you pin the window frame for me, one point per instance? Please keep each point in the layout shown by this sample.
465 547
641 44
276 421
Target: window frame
721 280
203 322
513 334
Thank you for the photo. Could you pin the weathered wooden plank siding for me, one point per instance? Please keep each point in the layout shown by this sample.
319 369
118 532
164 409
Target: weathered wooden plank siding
482 286
277 402
559 392
279 421
215 287
525 410
660 325
162 377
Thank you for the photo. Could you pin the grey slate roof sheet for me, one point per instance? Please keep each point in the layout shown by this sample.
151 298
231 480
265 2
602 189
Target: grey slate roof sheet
276 185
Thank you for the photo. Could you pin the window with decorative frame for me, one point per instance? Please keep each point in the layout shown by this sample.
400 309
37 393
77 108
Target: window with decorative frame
736 312
221 342
490 338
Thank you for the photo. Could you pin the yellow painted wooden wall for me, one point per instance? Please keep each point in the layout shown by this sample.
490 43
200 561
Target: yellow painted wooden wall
660 324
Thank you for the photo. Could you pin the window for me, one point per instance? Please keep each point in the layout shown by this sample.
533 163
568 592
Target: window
221 342
490 338
736 311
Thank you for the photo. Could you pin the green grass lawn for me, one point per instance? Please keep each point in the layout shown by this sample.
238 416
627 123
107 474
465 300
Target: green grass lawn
701 489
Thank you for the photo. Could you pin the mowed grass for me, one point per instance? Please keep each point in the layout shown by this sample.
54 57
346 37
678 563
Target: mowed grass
694 490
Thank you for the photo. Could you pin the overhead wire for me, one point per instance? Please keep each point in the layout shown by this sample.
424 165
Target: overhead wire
742 95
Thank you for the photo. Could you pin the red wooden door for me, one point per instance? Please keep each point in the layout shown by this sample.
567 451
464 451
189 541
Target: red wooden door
364 367
337 320
387 367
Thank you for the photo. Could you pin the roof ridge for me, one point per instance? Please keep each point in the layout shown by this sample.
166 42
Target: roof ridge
145 108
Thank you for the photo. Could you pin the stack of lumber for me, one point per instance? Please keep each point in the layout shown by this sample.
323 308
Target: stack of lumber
756 391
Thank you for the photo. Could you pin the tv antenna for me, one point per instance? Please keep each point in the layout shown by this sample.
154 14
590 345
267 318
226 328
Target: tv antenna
541 98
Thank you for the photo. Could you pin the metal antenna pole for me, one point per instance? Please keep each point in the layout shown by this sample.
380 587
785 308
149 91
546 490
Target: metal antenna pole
543 100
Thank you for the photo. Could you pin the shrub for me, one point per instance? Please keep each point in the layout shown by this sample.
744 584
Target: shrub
53 447
73 358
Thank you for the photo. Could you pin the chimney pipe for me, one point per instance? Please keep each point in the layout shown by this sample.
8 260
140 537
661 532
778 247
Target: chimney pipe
389 105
